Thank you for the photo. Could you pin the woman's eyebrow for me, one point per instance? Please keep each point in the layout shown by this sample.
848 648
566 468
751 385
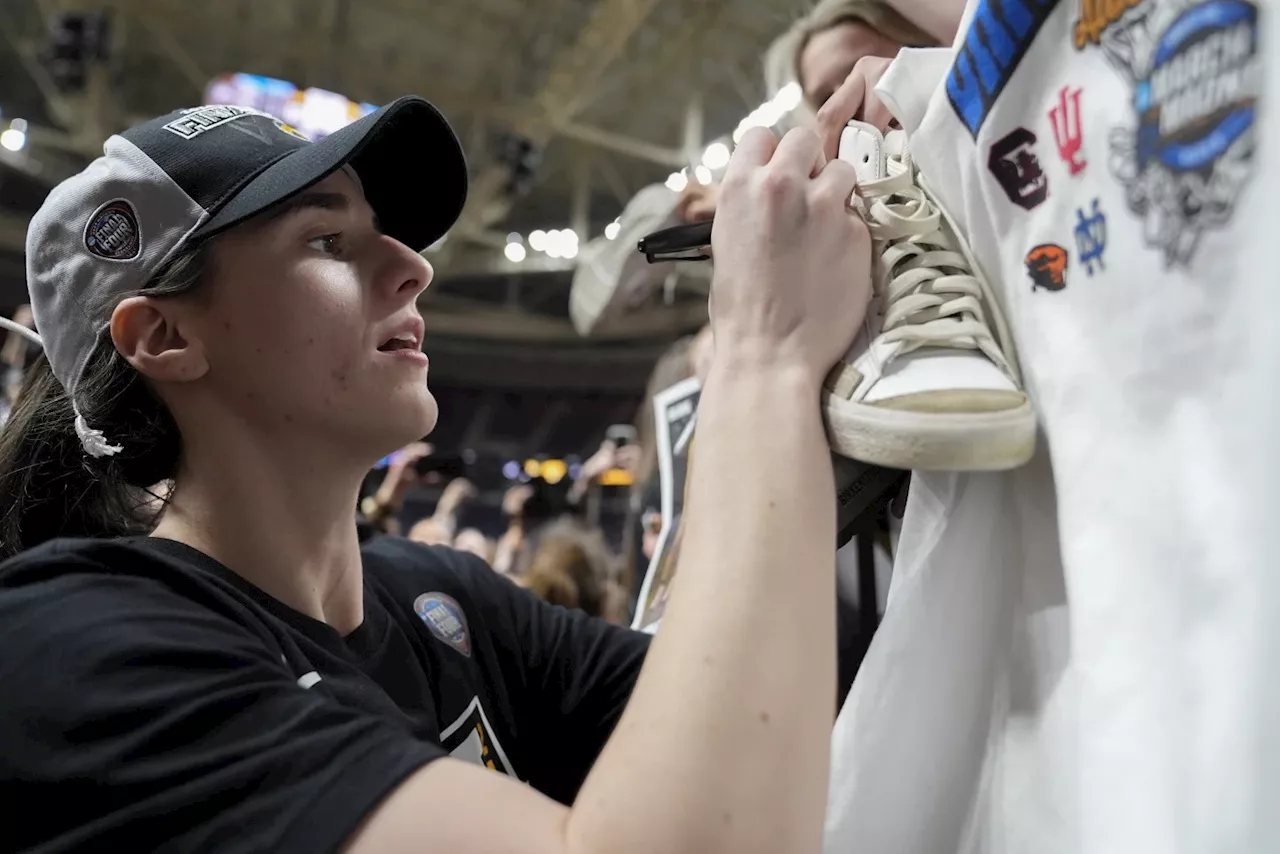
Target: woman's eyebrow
305 200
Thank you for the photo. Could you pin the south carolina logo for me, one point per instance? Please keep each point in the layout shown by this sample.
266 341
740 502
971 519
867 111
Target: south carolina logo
112 232
1047 267
1195 73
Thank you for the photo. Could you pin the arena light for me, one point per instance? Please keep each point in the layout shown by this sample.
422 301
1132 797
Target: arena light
703 174
617 477
538 240
553 245
771 112
316 113
14 138
553 471
611 230
715 157
515 252
677 181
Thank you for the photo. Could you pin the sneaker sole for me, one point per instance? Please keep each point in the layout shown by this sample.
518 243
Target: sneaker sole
913 441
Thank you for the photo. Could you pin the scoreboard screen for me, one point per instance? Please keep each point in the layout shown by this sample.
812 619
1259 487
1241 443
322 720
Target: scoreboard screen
316 113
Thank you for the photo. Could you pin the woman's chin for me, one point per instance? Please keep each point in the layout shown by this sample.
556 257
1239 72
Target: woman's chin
422 415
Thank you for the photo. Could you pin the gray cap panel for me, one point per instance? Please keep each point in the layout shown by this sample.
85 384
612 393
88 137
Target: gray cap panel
99 236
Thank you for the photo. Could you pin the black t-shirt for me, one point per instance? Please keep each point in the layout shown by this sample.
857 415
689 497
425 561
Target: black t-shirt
151 699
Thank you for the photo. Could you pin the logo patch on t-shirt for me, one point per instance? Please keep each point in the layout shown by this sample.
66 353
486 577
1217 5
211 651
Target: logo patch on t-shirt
1013 162
1000 34
1096 16
444 617
112 232
1047 266
1068 131
1196 75
1091 237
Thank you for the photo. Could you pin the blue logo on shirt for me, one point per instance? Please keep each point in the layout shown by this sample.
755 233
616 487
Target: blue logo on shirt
999 36
445 619
1197 98
1196 75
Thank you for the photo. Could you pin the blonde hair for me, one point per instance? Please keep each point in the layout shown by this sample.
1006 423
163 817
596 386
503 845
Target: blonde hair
876 14
571 566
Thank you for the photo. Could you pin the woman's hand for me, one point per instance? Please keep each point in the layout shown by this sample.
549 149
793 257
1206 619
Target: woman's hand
514 500
697 202
793 269
456 493
855 99
401 474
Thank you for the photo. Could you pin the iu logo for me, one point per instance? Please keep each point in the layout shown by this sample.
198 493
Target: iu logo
1065 119
1091 237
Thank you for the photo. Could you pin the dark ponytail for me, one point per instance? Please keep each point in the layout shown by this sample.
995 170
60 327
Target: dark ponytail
49 486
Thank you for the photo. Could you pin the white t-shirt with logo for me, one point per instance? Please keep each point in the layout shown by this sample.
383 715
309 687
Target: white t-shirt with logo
1082 655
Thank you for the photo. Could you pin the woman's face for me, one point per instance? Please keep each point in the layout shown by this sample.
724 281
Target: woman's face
830 55
309 325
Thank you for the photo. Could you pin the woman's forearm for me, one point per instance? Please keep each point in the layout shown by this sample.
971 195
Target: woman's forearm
724 744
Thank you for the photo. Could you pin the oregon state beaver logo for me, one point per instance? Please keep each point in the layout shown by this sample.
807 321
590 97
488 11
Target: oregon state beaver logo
1047 267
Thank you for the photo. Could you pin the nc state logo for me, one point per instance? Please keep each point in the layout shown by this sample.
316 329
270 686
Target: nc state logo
1047 267
1014 164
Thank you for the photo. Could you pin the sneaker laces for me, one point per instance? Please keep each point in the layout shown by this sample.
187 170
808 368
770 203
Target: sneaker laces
929 295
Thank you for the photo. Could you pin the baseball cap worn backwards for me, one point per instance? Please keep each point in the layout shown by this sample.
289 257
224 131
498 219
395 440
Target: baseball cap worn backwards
182 178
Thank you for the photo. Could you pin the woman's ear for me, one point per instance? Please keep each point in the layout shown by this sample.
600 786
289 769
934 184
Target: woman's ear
154 338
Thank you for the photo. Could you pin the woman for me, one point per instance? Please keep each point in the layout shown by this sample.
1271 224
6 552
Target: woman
571 567
836 34
231 309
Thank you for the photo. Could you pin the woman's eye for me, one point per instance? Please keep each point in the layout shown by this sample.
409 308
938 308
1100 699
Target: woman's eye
329 244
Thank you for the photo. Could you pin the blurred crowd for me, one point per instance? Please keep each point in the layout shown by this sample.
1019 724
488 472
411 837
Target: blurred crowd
551 542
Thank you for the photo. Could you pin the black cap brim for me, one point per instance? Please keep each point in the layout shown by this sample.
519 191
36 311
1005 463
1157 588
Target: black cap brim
409 161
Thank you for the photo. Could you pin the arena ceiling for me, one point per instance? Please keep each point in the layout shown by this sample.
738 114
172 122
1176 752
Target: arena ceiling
614 94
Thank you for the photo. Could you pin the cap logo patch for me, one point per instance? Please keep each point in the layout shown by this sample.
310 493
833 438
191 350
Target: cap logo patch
112 232
443 616
198 120
291 130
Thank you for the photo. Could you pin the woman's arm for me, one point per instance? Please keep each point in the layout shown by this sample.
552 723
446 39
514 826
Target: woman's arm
724 744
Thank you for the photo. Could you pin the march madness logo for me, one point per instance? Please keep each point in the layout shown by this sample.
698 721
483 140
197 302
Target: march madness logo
445 619
1195 72
112 232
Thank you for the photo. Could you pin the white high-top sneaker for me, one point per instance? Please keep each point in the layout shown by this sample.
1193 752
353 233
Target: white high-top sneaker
932 381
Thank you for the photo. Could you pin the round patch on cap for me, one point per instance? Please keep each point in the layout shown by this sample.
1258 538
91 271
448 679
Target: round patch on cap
444 617
112 232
